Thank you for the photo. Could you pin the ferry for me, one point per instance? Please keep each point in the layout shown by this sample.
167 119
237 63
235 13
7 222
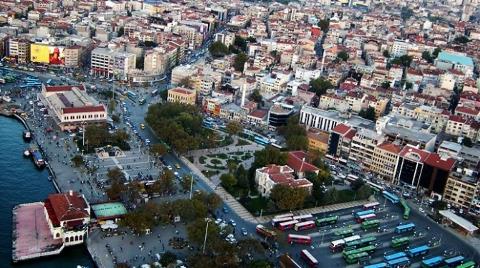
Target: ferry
37 158
27 136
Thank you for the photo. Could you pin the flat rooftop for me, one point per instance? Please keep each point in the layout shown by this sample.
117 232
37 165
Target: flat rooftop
31 236
109 210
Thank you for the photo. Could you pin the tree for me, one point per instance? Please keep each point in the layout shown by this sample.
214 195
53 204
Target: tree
269 155
185 82
233 128
240 43
295 134
121 31
320 86
77 160
408 85
466 141
196 233
461 39
357 184
218 49
385 84
256 96
404 61
96 136
168 258
288 198
343 55
324 24
386 54
112 104
368 113
115 118
187 182
232 165
228 180
239 62
115 189
158 149
260 264
427 56
436 51
406 13
166 182
115 174
364 192
242 177
213 201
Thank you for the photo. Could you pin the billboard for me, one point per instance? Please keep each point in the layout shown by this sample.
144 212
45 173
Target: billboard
42 53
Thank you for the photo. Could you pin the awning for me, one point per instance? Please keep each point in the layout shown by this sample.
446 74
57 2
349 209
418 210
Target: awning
468 226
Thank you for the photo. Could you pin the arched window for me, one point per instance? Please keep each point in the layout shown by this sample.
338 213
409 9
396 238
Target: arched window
66 239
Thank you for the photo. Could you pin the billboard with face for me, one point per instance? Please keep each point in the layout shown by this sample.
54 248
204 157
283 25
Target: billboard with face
43 53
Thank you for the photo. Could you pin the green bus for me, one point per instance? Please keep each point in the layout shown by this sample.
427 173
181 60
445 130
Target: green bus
368 249
354 258
406 209
326 221
344 232
468 264
366 241
370 224
400 241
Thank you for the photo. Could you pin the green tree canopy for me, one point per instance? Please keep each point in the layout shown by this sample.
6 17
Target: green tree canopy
77 160
427 56
343 55
178 125
461 39
368 113
324 24
228 181
234 127
385 84
406 13
295 134
218 49
168 258
256 96
404 61
239 62
320 86
386 54
288 198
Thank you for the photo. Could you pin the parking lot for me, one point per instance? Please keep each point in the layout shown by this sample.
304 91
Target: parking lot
441 241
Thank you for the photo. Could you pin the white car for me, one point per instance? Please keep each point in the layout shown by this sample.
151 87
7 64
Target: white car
147 141
175 173
169 167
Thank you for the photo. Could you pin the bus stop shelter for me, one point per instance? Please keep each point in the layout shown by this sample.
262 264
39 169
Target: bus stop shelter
465 226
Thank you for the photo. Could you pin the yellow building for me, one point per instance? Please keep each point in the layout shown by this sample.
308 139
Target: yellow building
317 140
461 191
182 95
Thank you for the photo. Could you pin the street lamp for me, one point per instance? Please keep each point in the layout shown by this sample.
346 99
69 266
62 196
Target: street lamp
206 233
191 185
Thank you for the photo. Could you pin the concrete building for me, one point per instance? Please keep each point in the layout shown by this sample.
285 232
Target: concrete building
384 160
423 170
328 119
111 63
318 140
71 107
460 62
279 114
271 175
74 56
155 62
20 49
340 140
182 95
363 145
463 191
226 38
181 72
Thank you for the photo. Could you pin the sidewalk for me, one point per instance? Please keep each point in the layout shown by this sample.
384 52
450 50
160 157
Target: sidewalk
247 216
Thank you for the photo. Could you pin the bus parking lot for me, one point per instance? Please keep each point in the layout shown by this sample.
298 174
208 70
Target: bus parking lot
355 238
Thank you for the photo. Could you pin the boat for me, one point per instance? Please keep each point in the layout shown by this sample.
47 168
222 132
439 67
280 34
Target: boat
26 153
37 157
6 98
27 136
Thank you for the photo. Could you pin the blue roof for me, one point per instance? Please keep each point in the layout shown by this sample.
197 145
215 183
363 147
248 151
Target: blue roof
455 58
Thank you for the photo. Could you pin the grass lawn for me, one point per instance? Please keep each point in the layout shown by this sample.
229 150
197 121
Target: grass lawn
215 161
202 159
238 153
221 156
247 156
215 167
210 173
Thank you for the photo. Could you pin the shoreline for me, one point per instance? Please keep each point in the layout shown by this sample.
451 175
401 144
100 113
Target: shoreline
51 172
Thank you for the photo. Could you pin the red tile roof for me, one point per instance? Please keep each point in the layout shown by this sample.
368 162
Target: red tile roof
84 109
298 161
66 207
390 147
182 90
341 129
435 160
259 113
414 153
63 88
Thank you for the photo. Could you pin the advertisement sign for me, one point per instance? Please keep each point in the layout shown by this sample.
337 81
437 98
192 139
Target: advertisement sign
42 53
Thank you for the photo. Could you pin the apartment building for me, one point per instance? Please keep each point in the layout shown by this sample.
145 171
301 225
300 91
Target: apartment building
182 95
340 140
463 190
362 147
384 160
74 56
20 49
111 63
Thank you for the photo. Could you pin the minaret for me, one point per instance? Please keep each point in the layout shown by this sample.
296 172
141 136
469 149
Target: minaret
244 89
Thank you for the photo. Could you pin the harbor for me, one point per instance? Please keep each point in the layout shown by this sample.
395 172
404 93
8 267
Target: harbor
20 172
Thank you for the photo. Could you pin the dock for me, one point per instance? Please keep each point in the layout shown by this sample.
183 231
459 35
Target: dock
31 236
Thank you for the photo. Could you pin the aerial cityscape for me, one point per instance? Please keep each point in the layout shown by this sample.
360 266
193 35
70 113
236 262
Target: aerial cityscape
286 133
